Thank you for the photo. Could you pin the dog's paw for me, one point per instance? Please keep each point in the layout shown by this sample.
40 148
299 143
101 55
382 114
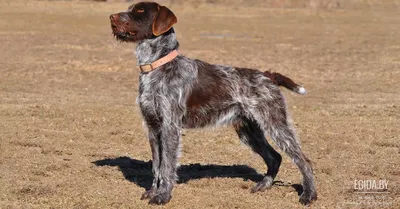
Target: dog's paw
148 194
307 198
263 185
160 199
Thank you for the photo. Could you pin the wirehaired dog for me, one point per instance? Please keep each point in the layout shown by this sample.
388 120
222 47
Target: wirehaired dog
177 92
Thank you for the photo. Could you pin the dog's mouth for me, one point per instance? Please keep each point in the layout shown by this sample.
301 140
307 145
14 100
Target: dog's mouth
122 34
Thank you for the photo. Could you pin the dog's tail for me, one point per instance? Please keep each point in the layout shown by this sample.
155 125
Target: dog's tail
281 80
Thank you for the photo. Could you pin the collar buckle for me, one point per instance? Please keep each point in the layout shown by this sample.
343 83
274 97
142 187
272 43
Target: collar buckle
146 68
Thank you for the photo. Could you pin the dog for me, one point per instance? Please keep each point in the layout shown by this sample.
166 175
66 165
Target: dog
177 92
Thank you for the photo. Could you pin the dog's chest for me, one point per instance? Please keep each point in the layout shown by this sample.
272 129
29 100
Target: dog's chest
159 97
148 98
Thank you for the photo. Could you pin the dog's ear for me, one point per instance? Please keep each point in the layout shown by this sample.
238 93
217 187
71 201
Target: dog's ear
164 21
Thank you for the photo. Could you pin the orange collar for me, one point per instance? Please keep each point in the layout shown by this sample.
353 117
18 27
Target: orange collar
164 60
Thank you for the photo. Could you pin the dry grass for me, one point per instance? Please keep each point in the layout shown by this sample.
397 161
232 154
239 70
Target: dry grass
71 134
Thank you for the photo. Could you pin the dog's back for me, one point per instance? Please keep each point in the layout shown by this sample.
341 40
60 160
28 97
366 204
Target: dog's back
221 93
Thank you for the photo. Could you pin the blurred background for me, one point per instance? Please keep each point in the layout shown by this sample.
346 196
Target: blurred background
313 4
71 135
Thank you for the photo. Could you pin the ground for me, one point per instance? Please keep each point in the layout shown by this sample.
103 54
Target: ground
71 135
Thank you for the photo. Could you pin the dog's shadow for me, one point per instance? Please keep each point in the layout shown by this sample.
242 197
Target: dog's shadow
139 172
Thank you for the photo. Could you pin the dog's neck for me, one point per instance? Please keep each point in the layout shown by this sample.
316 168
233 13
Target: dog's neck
150 50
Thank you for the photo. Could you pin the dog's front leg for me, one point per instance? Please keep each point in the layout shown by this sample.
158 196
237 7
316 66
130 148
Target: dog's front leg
169 150
154 140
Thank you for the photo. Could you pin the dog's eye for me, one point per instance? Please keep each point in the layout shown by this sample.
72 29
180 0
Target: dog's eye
139 10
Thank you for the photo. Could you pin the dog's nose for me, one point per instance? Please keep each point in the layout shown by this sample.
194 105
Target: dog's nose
113 16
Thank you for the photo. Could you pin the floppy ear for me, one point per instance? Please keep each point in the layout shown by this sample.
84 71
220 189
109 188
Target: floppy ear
164 21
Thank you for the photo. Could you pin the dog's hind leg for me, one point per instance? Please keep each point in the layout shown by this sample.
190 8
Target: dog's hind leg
285 138
252 135
275 123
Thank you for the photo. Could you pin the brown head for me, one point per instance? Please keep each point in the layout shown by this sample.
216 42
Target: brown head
141 21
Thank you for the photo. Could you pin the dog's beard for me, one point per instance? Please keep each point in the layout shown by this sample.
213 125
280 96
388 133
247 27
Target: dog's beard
124 36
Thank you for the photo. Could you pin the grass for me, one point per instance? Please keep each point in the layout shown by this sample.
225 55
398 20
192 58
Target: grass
71 134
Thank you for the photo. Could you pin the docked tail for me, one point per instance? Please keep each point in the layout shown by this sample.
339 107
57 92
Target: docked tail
281 80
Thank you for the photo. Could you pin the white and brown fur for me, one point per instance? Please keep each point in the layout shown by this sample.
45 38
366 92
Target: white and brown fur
187 93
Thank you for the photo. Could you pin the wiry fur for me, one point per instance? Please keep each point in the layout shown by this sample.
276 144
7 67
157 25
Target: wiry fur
186 93
250 101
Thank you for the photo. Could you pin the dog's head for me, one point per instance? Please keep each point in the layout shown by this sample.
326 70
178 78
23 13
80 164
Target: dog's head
141 21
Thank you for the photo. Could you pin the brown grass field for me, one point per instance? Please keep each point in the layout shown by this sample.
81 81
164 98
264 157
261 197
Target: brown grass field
71 134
